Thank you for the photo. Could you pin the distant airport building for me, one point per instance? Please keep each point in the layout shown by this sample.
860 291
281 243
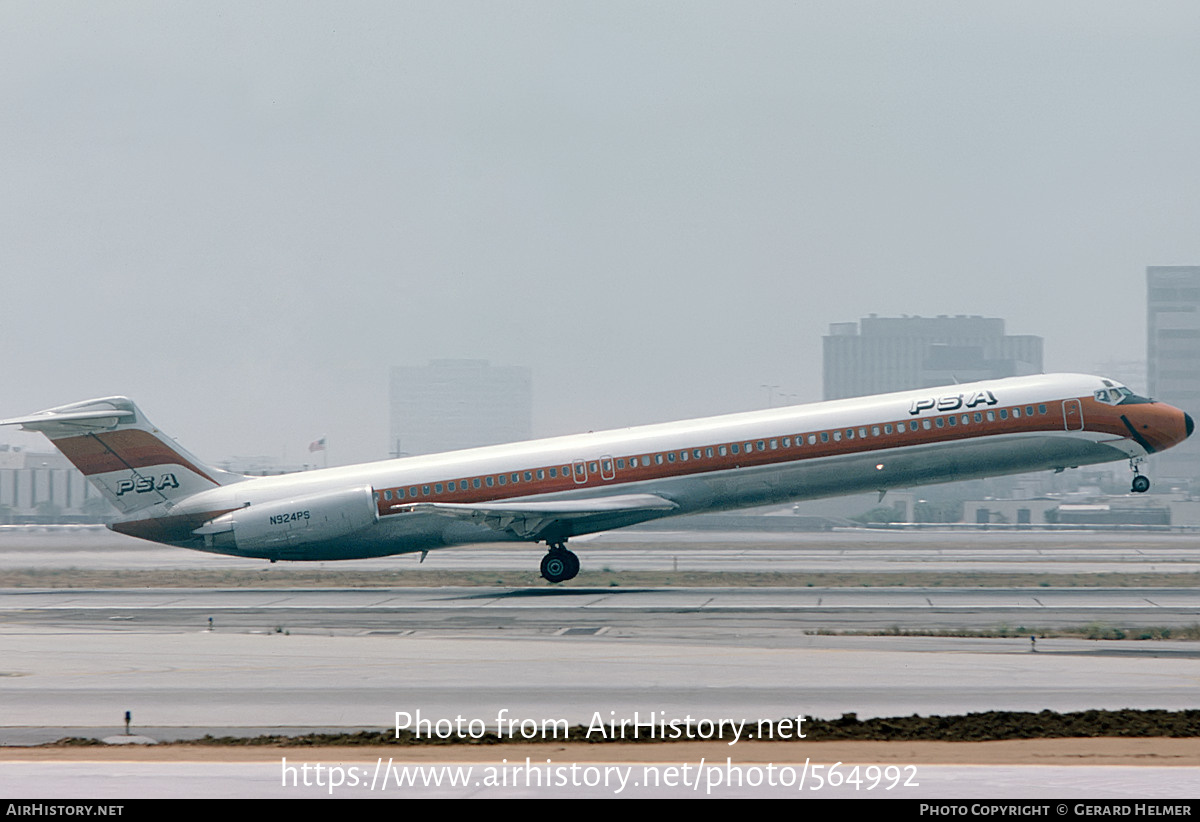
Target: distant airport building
452 404
1173 355
880 354
45 487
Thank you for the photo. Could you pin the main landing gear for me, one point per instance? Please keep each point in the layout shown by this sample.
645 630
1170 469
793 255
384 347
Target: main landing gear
1141 483
559 564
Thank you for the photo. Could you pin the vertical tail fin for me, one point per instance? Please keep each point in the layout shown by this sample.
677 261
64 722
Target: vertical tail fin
131 462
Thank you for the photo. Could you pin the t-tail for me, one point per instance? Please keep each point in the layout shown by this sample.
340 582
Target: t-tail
123 454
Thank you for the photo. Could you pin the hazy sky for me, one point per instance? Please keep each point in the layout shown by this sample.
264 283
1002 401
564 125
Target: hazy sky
241 214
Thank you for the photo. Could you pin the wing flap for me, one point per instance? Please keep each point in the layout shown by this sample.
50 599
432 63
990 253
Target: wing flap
560 518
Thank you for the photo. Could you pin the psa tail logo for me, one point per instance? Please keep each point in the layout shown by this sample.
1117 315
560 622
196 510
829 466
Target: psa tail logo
141 485
953 402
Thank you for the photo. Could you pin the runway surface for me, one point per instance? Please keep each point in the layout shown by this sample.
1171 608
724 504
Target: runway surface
855 550
73 661
774 616
317 659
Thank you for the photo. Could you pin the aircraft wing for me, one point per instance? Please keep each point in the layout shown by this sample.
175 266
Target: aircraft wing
561 518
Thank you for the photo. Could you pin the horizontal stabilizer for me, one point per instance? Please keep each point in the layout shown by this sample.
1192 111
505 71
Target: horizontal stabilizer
55 421
560 518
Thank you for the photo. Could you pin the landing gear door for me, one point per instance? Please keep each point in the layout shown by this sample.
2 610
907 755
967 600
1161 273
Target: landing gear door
1072 415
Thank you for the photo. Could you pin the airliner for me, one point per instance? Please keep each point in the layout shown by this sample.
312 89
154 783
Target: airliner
549 490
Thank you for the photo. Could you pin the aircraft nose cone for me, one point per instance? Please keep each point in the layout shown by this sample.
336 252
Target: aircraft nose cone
1188 425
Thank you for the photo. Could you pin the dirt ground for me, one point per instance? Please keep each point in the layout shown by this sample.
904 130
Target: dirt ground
1155 751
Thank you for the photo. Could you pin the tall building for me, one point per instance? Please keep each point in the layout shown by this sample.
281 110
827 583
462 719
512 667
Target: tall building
880 354
1173 355
452 404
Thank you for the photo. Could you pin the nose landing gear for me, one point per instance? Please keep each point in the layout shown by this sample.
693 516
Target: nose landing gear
559 564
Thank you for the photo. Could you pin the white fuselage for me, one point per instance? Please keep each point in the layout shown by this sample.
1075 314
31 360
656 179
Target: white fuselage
717 463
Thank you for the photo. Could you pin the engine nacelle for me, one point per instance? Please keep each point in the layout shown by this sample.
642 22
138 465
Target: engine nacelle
283 523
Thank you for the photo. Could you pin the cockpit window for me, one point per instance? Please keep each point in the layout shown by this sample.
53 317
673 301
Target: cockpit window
1119 395
1128 397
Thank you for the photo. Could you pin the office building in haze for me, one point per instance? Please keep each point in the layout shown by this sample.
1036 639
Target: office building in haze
881 354
1173 355
452 404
